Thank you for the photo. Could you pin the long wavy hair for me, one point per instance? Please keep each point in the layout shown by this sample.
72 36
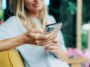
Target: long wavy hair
21 12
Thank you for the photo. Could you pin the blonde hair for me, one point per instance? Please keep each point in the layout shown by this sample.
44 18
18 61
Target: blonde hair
21 13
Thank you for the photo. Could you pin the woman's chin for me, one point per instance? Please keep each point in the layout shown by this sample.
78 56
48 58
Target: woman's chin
37 9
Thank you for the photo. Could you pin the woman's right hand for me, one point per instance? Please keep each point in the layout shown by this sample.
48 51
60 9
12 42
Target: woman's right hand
32 36
45 38
38 37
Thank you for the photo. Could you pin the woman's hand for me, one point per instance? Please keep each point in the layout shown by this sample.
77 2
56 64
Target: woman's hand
53 46
39 37
45 38
32 36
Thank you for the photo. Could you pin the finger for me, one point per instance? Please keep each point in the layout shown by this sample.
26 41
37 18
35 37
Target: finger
44 40
51 45
53 37
36 31
47 37
47 42
42 37
55 44
50 35
55 41
46 46
37 41
51 41
51 48
36 35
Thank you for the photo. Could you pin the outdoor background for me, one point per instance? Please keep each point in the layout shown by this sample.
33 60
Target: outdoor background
64 11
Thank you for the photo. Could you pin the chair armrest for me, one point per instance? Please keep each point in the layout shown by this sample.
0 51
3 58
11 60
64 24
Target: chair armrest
10 58
76 62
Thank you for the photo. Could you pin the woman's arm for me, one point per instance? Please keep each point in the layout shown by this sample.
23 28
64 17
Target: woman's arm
12 42
57 47
8 34
62 49
61 55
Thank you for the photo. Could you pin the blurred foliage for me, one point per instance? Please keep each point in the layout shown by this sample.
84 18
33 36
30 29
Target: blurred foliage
1 14
84 39
86 11
65 11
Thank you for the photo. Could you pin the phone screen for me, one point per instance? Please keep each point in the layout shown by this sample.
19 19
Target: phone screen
55 27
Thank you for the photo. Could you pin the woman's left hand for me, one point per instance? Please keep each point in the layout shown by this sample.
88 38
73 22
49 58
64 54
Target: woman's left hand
53 46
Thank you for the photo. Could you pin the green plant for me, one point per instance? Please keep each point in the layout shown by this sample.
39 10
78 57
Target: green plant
1 14
84 38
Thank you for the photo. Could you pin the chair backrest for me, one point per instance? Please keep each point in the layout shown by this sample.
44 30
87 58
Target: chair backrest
10 58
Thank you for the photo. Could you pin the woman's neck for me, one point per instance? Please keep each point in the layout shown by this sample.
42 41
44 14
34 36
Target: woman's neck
34 14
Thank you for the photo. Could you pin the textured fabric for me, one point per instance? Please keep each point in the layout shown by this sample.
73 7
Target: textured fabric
33 56
10 58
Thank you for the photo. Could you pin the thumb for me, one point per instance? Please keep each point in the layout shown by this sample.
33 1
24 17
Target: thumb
36 31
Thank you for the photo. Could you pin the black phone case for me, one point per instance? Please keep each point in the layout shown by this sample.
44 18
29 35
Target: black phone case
50 27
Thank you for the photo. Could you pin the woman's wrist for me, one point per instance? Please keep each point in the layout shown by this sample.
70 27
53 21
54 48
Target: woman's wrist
12 42
24 39
20 40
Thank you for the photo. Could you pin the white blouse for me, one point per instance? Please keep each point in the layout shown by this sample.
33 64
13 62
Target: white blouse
33 56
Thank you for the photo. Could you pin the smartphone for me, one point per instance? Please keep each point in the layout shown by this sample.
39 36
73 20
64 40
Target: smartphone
55 27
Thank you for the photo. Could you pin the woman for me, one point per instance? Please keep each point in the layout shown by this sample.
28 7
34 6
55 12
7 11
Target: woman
25 32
